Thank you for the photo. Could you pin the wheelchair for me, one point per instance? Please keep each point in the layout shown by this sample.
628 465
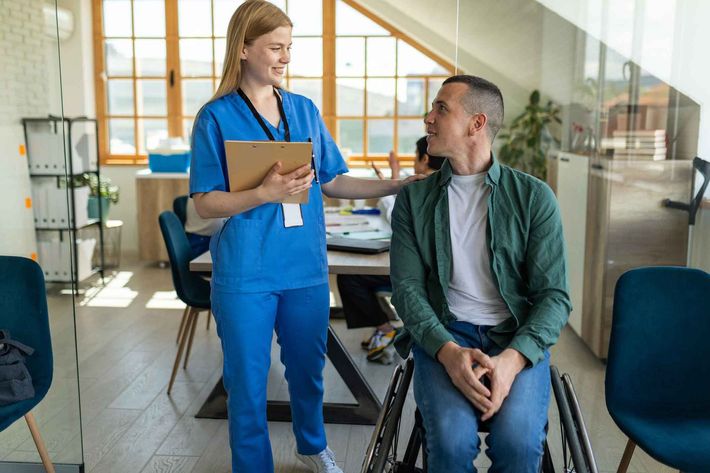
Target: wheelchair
381 454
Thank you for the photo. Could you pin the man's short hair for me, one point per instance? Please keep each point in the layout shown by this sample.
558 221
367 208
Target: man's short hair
483 97
435 162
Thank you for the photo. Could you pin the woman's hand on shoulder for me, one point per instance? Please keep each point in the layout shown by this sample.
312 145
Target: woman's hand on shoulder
414 178
276 186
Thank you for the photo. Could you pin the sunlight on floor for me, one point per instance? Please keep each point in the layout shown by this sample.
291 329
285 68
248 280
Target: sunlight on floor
113 294
165 300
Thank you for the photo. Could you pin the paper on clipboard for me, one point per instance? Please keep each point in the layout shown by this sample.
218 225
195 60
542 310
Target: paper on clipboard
248 162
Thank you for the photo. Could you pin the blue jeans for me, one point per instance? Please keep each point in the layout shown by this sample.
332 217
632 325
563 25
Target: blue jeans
516 432
245 324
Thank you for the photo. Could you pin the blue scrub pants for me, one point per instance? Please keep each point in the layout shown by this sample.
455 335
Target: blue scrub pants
245 324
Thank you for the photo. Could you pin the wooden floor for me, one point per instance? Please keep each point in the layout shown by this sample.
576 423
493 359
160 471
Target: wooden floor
126 346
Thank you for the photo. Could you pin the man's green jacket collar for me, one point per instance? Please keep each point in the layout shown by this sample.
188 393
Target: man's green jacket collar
492 176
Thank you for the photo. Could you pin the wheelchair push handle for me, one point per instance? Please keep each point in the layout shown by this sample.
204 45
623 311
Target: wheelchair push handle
703 167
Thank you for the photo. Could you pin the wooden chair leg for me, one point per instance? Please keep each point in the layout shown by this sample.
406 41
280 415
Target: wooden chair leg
626 458
209 318
191 315
192 336
34 430
182 324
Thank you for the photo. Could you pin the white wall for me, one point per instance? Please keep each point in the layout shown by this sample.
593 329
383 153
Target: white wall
23 75
78 62
126 209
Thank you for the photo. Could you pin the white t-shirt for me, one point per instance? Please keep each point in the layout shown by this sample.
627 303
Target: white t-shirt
386 205
473 295
198 225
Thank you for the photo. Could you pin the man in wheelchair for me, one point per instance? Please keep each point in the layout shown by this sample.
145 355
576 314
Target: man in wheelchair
479 277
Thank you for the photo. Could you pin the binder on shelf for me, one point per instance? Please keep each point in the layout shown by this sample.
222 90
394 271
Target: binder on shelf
45 147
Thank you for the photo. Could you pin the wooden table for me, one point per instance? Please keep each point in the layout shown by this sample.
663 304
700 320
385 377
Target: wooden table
339 262
368 406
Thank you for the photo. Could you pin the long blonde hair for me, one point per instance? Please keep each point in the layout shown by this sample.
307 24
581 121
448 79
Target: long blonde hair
252 19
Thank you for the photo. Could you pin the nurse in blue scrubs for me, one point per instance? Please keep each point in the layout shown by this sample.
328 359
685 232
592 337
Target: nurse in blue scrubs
269 260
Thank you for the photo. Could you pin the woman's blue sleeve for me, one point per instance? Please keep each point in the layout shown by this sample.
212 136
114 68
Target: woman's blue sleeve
206 168
332 162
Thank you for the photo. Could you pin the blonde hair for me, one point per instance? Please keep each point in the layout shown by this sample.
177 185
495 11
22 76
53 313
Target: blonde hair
252 19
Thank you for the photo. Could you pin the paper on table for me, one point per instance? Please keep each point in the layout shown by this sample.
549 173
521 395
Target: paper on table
343 220
373 235
346 229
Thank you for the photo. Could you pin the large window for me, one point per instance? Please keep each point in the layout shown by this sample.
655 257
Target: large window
158 61
383 86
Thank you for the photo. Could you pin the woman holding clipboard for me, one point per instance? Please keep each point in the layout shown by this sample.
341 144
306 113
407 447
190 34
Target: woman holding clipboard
269 260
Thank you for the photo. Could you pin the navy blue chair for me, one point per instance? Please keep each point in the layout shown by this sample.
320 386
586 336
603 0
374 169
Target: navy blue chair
658 374
191 288
180 208
23 312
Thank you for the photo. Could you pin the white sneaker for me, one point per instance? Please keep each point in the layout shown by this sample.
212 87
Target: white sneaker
323 462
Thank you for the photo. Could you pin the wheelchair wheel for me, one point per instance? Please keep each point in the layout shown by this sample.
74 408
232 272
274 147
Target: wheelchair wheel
577 452
380 455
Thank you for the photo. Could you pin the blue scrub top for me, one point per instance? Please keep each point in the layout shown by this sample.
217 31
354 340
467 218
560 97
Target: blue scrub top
254 251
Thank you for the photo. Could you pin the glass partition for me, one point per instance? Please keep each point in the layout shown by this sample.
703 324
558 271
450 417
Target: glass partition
45 219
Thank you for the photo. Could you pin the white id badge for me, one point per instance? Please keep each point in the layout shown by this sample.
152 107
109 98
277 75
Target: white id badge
292 215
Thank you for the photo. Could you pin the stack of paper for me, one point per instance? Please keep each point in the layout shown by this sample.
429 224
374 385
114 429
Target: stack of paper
637 144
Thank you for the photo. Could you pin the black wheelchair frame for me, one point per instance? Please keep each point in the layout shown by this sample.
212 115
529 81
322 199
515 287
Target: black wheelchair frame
381 454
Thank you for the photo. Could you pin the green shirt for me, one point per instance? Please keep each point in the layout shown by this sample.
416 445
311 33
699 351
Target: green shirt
527 254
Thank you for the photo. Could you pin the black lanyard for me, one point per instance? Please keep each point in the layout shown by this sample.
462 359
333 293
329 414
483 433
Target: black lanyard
257 115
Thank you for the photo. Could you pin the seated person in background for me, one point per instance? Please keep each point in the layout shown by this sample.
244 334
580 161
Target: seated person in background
423 164
479 279
199 230
358 292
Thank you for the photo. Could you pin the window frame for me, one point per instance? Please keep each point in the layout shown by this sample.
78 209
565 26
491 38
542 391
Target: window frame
174 82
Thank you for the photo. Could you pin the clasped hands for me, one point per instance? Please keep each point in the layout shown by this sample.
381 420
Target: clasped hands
467 368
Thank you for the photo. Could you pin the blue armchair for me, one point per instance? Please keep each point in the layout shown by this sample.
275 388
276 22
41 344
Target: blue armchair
658 374
23 312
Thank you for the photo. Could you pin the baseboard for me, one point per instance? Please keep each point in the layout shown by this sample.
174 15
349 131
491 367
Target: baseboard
16 467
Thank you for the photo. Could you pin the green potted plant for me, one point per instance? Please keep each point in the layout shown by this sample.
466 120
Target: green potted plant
101 192
527 138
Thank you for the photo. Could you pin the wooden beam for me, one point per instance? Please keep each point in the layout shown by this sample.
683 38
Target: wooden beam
100 79
172 65
329 88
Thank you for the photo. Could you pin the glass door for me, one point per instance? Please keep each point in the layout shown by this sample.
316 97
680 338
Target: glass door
41 210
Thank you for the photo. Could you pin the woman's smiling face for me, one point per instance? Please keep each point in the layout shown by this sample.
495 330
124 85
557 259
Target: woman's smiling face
265 59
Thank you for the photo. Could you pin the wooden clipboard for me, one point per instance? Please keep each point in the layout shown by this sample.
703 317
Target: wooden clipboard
248 162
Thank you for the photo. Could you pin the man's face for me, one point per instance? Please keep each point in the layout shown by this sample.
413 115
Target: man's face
447 124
